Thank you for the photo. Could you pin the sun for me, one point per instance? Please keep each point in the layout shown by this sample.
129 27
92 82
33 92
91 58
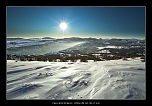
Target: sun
63 26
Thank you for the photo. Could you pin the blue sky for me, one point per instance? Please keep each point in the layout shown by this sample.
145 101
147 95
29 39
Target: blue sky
89 21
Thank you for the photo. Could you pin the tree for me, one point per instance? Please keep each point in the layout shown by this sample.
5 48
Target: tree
83 59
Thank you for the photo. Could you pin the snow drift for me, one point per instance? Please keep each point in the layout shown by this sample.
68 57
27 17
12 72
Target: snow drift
114 79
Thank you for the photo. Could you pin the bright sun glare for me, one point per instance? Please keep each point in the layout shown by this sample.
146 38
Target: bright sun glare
63 26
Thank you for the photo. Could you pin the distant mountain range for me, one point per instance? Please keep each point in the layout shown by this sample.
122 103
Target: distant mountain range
91 38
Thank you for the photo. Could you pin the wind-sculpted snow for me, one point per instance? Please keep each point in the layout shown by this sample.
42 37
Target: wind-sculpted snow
114 79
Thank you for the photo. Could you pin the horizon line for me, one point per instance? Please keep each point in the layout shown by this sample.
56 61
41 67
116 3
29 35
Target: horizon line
83 37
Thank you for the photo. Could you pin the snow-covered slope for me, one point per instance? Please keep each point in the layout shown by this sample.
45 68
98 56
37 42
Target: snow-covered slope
114 79
37 46
11 43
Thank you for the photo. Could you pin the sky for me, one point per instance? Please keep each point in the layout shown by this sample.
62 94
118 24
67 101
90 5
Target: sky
82 21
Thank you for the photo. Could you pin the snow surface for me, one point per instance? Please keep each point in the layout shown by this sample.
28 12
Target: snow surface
114 79
99 48
116 47
27 42
34 48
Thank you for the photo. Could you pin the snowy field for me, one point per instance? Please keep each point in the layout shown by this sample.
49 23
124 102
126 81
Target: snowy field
114 79
22 42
